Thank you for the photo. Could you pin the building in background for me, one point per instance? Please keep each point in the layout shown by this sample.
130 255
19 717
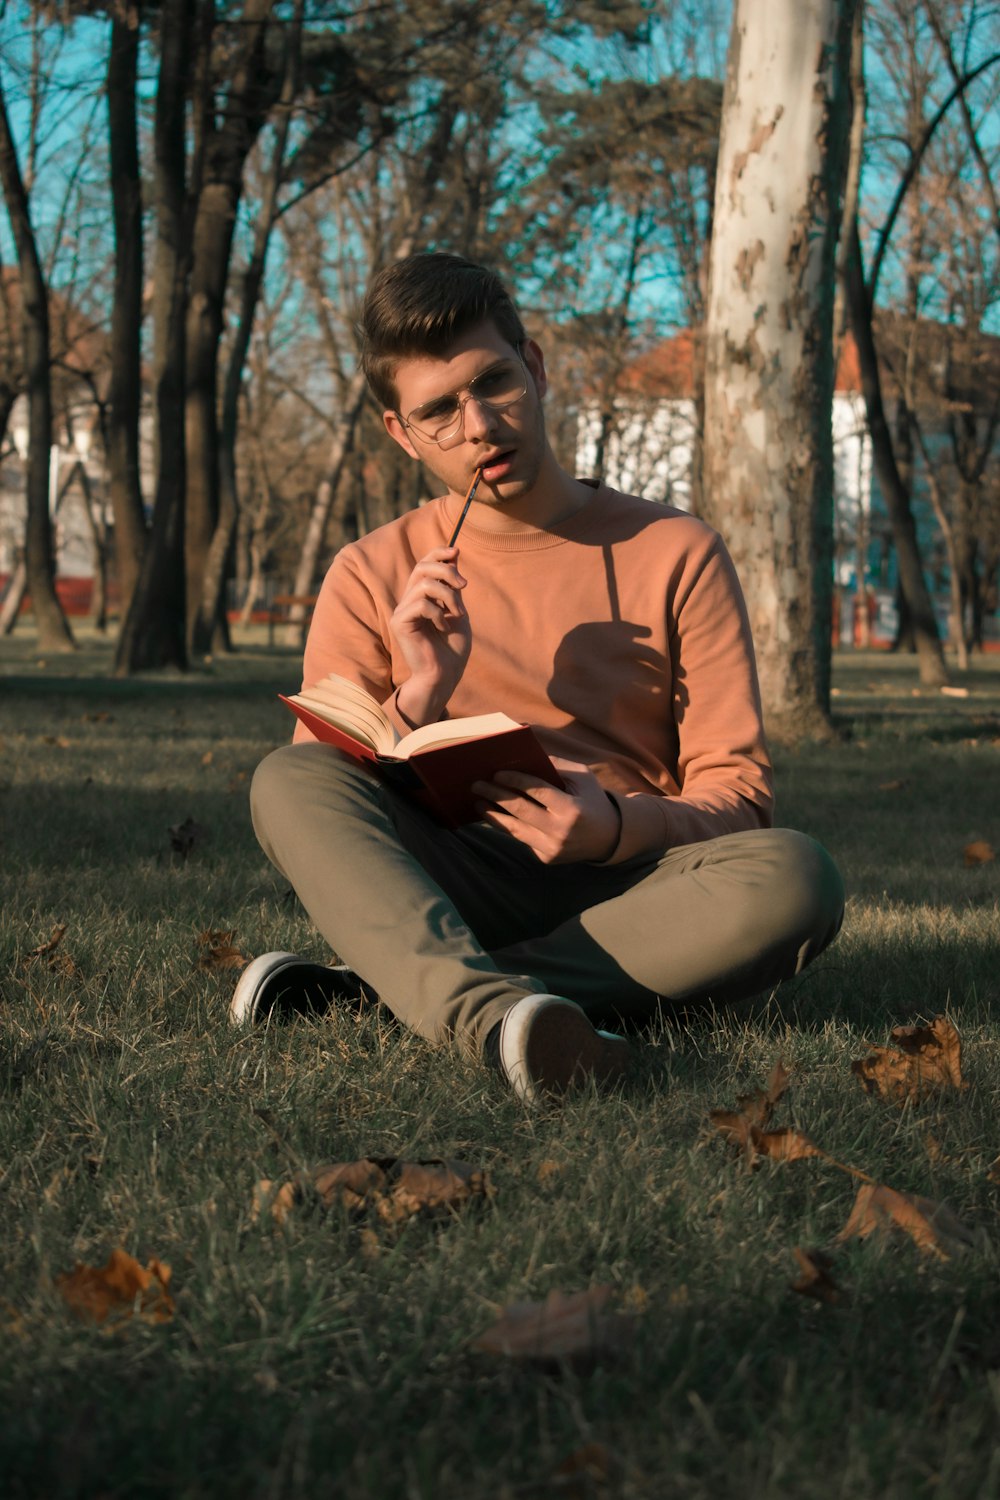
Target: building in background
647 445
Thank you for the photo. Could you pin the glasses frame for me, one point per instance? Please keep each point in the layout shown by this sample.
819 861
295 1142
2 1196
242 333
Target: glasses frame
463 401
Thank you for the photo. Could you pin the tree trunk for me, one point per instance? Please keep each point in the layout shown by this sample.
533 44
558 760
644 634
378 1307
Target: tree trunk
214 577
894 491
249 97
153 631
340 447
125 394
955 609
768 460
54 633
17 587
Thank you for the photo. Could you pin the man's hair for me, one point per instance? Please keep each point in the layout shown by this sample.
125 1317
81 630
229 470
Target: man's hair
420 306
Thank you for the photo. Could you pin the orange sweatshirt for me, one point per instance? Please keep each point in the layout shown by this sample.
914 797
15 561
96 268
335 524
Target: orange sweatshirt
620 635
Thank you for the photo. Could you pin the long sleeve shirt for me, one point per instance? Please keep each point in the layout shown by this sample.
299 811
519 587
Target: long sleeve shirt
620 635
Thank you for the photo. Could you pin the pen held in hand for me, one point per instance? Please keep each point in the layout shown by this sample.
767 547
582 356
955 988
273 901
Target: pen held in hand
465 508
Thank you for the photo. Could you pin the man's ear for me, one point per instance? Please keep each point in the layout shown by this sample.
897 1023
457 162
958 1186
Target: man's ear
535 362
397 431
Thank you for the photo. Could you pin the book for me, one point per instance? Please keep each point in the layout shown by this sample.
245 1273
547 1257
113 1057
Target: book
435 764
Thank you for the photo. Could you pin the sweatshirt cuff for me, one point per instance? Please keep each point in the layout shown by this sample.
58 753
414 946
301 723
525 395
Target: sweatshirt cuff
643 827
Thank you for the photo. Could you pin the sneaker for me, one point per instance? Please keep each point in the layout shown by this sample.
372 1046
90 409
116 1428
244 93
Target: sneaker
290 985
546 1044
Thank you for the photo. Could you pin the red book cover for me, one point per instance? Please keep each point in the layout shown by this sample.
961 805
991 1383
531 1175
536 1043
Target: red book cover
441 776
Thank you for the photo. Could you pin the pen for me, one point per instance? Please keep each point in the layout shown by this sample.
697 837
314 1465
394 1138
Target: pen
465 508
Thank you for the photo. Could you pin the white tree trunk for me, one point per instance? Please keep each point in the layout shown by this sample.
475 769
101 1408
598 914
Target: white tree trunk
768 462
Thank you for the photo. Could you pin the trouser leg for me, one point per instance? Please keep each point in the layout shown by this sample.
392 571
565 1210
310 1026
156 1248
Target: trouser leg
719 920
364 864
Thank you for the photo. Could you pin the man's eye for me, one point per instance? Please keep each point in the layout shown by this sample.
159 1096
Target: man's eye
446 407
493 381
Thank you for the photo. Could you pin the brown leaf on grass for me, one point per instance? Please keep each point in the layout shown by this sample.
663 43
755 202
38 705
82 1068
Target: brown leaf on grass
753 1111
218 952
782 1145
926 1060
979 852
184 836
57 739
58 933
566 1329
208 757
119 1290
395 1190
993 1175
583 1471
931 1225
898 785
101 717
815 1279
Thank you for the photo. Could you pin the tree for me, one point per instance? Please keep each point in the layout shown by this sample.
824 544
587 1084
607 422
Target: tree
769 342
54 633
153 630
125 393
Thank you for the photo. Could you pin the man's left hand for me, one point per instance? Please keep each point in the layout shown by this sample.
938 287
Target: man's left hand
562 827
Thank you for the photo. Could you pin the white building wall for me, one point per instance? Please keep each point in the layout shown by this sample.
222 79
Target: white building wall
650 450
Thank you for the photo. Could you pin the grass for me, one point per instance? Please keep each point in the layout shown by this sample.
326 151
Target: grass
317 1360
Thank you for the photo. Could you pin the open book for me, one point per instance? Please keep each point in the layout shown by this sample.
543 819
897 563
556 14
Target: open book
437 763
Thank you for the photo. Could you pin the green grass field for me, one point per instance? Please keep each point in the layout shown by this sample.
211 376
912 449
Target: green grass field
328 1358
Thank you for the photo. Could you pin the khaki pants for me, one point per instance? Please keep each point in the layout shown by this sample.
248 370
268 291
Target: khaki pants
451 928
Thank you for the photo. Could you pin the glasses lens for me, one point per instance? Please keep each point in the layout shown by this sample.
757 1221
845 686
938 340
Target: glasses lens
497 387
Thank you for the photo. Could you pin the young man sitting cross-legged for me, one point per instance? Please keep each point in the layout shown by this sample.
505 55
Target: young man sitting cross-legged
617 629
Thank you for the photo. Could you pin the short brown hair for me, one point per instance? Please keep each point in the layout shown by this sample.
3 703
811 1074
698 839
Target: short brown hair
420 305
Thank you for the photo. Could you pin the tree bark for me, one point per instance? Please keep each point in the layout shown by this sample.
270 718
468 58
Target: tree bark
54 633
226 148
153 631
213 581
125 391
768 459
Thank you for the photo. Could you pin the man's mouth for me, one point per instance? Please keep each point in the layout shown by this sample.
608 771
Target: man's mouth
498 467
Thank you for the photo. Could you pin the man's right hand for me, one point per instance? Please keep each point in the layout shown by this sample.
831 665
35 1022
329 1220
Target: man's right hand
432 629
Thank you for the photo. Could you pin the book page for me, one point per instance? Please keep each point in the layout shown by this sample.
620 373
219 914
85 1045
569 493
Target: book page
452 731
351 709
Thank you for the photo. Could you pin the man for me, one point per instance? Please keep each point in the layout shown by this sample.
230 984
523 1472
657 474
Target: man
614 626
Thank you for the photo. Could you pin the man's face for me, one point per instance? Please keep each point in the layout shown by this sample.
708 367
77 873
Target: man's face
509 444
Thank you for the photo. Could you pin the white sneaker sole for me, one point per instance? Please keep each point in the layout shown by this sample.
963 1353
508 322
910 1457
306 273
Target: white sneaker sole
547 1045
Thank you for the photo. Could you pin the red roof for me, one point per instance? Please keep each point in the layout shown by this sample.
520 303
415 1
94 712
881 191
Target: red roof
667 370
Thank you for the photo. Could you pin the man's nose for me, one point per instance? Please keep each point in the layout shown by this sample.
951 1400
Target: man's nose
479 420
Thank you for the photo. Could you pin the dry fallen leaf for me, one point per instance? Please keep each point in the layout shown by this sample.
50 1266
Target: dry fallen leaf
979 852
566 1329
993 1175
931 1225
119 1290
815 1279
184 836
395 1190
753 1111
577 1477
218 952
782 1145
954 692
893 786
208 757
58 933
925 1061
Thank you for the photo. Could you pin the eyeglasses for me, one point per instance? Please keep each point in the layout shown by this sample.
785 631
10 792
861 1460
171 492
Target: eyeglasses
496 388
